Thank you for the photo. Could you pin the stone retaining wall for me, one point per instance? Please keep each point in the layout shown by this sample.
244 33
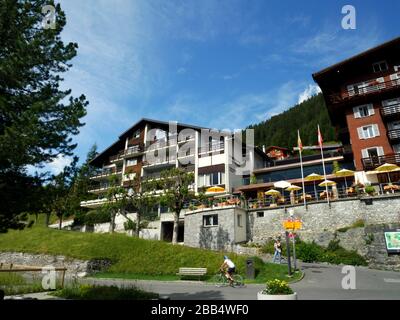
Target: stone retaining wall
73 266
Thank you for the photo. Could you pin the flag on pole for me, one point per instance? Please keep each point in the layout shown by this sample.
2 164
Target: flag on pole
320 141
299 143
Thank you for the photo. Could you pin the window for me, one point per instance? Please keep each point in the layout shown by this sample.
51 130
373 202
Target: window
131 162
358 88
260 214
363 111
368 132
136 134
373 152
380 66
211 179
239 220
210 220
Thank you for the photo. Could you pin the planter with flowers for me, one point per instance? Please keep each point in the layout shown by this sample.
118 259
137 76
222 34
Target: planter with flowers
277 290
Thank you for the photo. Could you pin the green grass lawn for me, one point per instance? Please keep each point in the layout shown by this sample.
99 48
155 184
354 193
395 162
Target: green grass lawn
131 257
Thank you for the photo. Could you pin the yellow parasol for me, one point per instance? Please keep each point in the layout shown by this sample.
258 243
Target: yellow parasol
272 192
314 177
293 188
327 183
387 167
344 173
215 189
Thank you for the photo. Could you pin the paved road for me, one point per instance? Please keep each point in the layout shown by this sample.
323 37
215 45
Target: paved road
320 282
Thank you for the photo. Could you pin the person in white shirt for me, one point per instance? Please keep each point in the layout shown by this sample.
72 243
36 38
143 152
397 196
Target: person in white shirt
230 266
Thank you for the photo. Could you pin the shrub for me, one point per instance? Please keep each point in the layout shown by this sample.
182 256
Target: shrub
369 189
277 287
333 245
96 216
309 252
356 224
131 225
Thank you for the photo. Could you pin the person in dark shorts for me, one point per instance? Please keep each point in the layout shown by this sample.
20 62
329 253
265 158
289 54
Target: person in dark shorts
229 267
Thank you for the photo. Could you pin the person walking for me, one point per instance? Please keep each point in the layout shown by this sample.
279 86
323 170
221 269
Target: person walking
278 250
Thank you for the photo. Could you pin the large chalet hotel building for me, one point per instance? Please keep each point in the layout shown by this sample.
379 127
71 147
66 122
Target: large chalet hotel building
362 94
152 146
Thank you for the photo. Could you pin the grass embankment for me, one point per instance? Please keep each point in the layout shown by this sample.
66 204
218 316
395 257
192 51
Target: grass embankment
131 257
14 283
88 292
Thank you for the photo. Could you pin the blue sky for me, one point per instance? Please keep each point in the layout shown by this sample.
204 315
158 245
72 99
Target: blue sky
220 64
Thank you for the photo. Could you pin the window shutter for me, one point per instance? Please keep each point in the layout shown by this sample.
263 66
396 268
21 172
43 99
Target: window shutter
380 151
394 76
371 110
356 112
364 153
360 133
376 130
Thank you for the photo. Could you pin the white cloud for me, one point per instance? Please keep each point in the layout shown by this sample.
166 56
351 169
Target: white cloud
308 92
59 163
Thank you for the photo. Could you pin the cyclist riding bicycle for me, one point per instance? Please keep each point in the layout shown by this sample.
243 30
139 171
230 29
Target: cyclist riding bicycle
230 266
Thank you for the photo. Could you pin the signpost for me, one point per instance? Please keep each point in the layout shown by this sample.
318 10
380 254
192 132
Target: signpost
293 225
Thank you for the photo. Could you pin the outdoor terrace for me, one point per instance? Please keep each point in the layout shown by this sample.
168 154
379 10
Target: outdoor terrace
372 87
371 163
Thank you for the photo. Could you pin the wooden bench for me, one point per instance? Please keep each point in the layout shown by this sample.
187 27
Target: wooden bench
194 272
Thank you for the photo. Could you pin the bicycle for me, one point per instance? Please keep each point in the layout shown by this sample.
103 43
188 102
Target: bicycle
220 280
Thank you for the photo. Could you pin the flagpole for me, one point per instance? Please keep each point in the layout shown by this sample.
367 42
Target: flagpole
323 161
302 172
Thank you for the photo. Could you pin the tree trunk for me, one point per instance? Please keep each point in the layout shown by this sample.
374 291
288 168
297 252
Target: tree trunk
175 230
60 222
137 224
47 219
112 222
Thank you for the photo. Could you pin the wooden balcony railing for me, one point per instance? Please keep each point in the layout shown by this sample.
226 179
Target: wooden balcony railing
390 110
394 134
372 87
373 162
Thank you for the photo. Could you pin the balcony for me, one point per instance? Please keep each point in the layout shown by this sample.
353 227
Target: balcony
132 151
372 87
394 134
373 162
214 147
391 110
105 173
163 161
118 157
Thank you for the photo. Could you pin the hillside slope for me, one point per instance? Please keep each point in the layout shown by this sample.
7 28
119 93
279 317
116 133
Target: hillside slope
281 130
129 255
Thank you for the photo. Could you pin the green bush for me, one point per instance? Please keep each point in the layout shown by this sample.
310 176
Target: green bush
360 223
312 252
131 225
333 245
309 252
96 216
369 189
